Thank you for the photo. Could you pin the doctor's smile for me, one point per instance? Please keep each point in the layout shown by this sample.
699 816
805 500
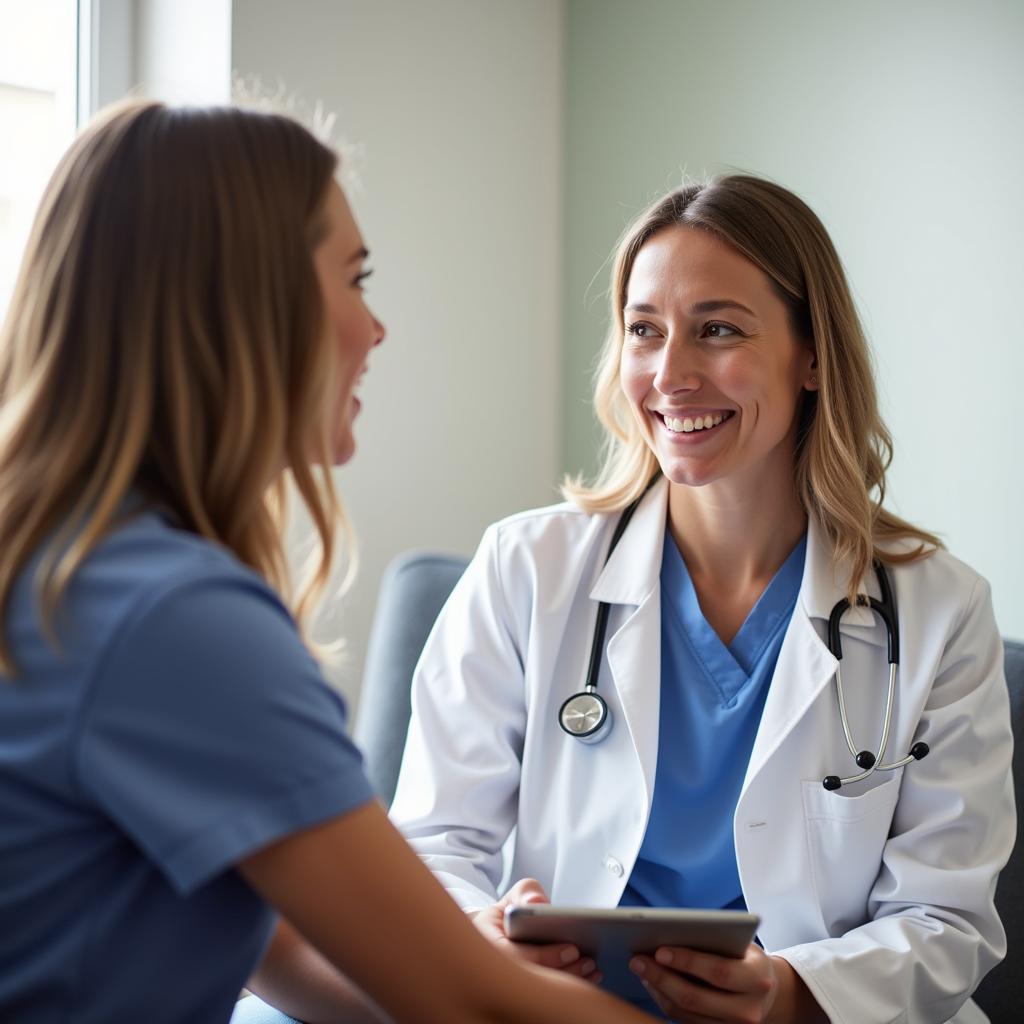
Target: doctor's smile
688 422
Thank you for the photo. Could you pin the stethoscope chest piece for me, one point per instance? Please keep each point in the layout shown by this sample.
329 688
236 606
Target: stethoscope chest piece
585 716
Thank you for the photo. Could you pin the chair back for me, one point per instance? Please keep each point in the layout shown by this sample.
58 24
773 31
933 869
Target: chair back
1001 993
413 590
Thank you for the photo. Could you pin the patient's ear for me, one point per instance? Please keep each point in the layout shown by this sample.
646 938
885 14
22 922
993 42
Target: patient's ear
811 377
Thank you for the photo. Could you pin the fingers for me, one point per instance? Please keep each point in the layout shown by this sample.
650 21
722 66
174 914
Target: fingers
752 974
559 956
680 997
691 986
556 955
585 968
526 890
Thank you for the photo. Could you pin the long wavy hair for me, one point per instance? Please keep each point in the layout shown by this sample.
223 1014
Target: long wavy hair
843 446
166 339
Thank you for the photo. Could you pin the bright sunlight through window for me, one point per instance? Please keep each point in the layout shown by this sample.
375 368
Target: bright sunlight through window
38 103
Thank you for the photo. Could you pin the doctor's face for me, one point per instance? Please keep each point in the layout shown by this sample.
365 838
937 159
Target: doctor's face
340 262
710 364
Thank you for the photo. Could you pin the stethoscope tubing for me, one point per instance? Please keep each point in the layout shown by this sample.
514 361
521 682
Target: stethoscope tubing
885 609
585 715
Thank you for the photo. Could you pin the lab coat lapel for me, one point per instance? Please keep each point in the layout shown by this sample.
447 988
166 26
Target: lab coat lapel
630 583
805 663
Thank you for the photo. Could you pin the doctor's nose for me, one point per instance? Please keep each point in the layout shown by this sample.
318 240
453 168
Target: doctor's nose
679 370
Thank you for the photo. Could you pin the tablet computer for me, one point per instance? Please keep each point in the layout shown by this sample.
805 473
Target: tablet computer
620 932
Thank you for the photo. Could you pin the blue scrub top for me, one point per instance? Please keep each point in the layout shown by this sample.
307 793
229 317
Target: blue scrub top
181 726
712 696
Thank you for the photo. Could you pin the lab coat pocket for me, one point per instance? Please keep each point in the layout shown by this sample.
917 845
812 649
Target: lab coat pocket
845 838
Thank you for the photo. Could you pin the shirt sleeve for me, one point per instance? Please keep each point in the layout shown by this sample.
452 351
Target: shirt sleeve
457 790
208 730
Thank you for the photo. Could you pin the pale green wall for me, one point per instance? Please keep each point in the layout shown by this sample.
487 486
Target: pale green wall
902 123
454 112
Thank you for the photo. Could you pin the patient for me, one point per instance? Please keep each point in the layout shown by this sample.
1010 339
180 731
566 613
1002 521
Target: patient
182 811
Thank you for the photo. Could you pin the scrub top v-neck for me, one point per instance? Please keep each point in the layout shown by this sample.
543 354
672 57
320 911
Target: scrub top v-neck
712 696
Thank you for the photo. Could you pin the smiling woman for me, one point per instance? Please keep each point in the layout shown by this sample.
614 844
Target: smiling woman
177 789
740 502
760 242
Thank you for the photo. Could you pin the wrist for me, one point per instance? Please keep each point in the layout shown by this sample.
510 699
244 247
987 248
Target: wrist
794 1003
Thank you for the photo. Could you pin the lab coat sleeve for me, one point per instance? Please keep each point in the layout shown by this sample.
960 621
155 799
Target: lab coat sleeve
456 801
933 931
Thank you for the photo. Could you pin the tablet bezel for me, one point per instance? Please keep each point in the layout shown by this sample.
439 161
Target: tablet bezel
625 931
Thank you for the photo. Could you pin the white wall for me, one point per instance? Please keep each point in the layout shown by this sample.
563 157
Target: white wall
456 106
183 50
902 124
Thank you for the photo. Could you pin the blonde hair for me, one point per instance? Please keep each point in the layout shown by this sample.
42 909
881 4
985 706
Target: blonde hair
843 446
166 339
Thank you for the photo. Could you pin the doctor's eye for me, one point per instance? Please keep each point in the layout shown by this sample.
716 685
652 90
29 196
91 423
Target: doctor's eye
639 329
717 329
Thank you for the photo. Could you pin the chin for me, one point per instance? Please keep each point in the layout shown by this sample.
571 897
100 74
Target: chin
685 473
344 449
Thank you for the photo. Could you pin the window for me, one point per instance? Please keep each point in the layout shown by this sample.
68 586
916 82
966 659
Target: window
38 114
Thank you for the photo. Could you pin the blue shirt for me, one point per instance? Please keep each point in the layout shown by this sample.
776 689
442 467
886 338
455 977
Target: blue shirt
712 696
182 726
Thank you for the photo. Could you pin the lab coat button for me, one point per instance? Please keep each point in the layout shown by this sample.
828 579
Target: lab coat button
614 866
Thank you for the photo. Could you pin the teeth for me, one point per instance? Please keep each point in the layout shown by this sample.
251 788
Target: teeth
688 424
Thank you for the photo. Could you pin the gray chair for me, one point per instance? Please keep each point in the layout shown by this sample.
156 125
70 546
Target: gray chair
1001 994
413 590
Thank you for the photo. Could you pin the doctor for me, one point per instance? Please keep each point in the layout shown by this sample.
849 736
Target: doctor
736 374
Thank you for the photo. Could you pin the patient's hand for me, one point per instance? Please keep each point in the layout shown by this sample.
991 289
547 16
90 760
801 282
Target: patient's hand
561 956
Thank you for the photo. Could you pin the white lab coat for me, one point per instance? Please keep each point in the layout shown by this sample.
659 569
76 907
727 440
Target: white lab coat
880 894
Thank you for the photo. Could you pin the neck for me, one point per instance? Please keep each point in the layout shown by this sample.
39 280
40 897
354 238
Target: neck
734 538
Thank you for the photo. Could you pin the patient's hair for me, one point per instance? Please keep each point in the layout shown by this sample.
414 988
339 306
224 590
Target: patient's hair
166 340
843 447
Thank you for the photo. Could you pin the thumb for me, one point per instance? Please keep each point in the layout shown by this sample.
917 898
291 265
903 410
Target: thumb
527 890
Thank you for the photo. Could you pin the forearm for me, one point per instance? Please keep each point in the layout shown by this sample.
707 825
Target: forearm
294 978
546 996
794 1003
414 950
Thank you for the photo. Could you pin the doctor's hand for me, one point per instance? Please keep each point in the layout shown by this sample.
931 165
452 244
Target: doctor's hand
701 987
562 956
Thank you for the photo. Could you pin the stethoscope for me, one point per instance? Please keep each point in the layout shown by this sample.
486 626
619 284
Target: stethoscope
586 716
885 609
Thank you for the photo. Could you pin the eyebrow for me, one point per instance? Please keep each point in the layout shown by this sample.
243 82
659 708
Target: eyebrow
360 254
697 309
